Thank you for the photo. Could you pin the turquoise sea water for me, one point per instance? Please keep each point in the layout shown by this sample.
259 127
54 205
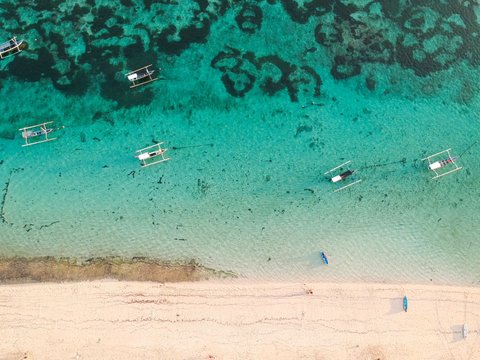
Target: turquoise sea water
256 100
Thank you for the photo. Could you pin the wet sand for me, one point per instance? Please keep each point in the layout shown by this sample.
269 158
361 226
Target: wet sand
44 269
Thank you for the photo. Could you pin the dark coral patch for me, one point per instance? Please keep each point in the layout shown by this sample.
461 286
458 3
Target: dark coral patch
371 83
236 78
344 11
391 8
272 83
135 51
431 40
301 13
197 32
301 81
273 74
118 91
99 58
344 68
225 60
137 56
238 83
374 49
433 36
102 15
77 12
218 8
127 3
41 5
328 35
353 42
115 31
249 19
317 81
148 4
168 46
72 83
32 70
413 57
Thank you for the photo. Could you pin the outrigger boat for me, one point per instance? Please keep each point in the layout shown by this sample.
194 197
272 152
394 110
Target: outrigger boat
11 47
141 76
324 258
343 173
31 133
405 303
442 163
152 155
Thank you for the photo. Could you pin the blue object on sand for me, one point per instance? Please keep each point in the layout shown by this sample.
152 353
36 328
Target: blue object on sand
405 303
324 258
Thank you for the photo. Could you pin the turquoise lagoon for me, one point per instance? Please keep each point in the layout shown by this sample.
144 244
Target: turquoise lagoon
256 100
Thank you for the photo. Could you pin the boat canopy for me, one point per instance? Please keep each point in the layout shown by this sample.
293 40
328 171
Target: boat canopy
141 76
11 47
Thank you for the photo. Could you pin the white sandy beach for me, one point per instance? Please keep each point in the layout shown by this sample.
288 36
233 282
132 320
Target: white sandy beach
237 320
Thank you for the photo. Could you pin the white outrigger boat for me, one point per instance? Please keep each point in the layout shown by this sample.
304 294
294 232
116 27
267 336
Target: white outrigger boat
141 76
11 47
152 155
342 173
442 163
32 133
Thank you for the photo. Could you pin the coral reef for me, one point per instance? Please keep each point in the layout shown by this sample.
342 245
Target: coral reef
77 45
242 70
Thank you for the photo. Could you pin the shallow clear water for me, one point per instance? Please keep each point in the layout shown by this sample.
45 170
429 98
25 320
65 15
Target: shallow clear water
253 116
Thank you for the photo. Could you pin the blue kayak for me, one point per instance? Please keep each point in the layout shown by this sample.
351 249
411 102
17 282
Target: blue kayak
405 303
324 258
